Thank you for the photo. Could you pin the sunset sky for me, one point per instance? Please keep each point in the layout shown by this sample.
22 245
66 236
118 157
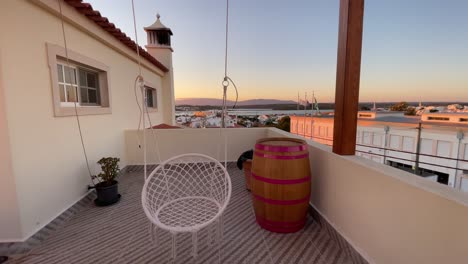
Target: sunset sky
412 49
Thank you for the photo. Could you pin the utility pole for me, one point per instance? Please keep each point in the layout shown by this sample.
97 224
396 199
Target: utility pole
418 150
460 136
386 129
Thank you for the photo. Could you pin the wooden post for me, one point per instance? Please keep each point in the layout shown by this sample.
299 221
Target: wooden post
347 76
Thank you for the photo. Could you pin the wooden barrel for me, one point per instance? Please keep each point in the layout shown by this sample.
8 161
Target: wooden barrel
247 166
280 183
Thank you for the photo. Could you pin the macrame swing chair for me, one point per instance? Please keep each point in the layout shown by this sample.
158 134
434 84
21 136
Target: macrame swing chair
189 192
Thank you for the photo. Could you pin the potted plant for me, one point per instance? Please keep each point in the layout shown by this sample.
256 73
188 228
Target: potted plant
107 188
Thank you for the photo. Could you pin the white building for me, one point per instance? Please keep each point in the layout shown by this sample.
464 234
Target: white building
391 138
42 169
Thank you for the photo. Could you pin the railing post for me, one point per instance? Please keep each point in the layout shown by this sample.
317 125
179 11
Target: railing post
348 76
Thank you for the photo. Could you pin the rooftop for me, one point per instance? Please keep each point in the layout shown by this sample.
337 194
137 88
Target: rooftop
119 234
95 16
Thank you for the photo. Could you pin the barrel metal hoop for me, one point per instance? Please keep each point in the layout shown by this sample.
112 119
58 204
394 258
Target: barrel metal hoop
260 146
281 202
279 157
278 181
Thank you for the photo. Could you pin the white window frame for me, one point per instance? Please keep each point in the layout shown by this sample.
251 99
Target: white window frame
56 55
97 89
65 84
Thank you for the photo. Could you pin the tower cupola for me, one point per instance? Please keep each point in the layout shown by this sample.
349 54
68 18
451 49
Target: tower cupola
158 34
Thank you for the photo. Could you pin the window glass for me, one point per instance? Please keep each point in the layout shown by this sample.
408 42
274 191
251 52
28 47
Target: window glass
466 152
408 144
62 92
394 142
367 137
83 81
60 72
84 95
149 97
426 146
443 148
92 80
71 94
70 75
92 96
377 140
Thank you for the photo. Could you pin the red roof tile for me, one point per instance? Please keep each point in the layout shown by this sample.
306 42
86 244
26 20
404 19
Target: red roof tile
164 126
94 15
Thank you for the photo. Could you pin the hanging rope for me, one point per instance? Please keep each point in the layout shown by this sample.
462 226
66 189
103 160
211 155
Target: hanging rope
85 154
225 83
139 82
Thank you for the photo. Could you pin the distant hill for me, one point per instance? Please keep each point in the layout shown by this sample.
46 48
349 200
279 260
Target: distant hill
203 104
218 102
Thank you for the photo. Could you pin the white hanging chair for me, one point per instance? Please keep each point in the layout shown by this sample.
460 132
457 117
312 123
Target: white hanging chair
185 194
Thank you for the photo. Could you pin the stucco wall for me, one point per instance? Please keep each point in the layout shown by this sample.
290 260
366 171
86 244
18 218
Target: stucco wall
47 158
389 215
10 228
209 141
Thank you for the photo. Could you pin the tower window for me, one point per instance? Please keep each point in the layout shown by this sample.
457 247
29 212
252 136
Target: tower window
163 38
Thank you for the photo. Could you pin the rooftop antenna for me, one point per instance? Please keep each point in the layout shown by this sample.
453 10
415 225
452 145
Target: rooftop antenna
297 101
305 103
316 105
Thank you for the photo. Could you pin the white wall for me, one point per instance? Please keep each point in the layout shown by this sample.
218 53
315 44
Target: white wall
10 227
47 158
208 141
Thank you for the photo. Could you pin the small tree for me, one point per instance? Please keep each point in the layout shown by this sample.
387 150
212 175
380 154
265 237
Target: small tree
110 169
402 106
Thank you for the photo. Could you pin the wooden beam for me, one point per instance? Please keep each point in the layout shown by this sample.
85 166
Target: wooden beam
347 76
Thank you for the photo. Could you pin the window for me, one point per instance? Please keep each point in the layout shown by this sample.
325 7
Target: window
67 83
151 97
377 140
438 118
89 87
426 146
443 148
408 144
394 142
366 137
81 81
83 90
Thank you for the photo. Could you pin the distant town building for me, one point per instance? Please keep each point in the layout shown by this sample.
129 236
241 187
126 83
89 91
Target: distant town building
392 138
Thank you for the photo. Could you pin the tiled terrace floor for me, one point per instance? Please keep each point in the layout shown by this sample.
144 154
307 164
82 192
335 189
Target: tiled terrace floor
119 234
